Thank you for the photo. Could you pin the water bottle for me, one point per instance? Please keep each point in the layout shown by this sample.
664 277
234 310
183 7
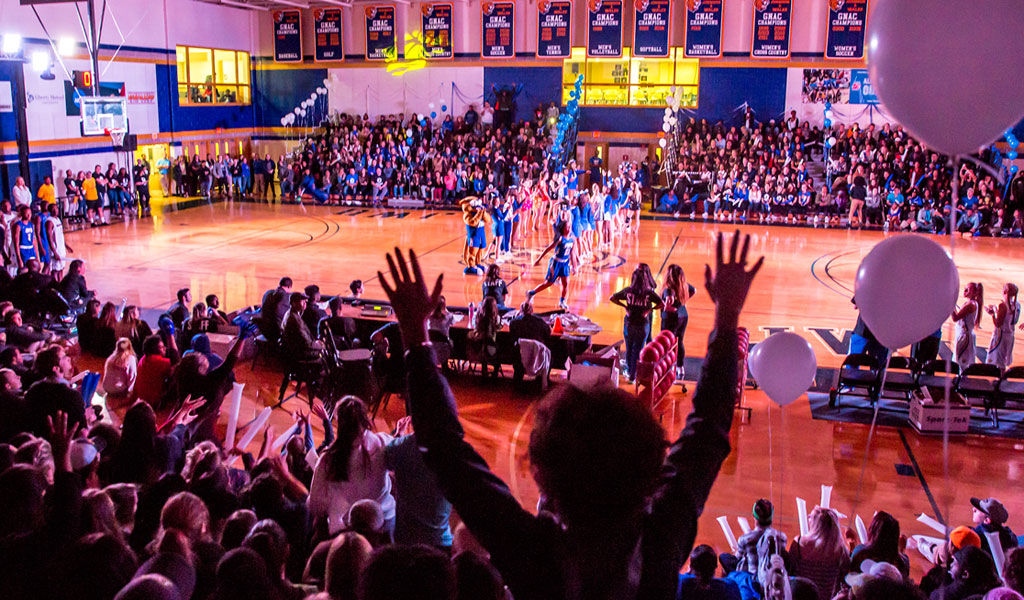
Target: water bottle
472 313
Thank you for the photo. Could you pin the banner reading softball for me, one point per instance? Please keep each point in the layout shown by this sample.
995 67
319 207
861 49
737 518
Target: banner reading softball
554 27
847 20
436 22
651 27
770 36
498 29
380 32
703 28
604 28
327 30
287 36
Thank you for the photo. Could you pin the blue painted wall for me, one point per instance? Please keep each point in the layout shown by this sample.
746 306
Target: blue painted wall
539 85
723 90
174 117
278 91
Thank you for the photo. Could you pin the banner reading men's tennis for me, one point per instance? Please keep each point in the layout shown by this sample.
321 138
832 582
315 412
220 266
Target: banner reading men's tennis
554 28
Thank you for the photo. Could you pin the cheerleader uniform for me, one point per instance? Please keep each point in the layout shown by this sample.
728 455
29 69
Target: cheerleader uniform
965 340
1000 350
558 265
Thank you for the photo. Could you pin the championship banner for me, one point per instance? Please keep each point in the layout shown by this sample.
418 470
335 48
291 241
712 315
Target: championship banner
498 29
327 28
436 25
380 32
703 28
604 28
651 20
554 28
770 35
287 36
847 25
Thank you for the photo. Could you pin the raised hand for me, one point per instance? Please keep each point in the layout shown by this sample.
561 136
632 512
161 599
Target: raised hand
730 282
319 410
409 298
60 440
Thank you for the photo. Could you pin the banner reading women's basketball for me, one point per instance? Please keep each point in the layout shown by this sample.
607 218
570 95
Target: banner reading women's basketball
770 36
380 32
651 27
287 36
847 20
554 28
327 29
498 29
703 28
604 28
436 22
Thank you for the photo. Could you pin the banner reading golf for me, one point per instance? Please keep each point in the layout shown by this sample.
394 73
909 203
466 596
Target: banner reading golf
380 32
436 22
703 28
554 27
498 29
770 36
287 36
604 28
846 29
651 27
327 29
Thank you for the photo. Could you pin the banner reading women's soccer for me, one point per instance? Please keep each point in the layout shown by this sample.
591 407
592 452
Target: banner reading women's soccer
554 28
327 31
380 33
436 25
287 36
772 21
847 25
651 20
703 28
498 29
604 28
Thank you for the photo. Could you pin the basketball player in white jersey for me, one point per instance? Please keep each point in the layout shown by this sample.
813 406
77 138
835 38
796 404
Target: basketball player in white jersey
58 247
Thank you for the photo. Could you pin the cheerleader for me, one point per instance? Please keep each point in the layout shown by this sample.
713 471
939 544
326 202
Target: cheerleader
635 198
965 319
1004 318
559 267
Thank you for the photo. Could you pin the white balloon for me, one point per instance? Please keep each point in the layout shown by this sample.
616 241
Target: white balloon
662 142
312 96
832 141
906 288
297 110
784 366
665 127
284 121
668 111
911 68
431 106
326 81
672 121
303 113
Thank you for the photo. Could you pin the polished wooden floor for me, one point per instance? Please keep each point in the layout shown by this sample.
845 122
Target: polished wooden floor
240 250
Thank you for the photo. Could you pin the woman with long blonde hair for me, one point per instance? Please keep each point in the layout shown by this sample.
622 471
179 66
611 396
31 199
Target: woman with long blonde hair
822 555
120 370
676 293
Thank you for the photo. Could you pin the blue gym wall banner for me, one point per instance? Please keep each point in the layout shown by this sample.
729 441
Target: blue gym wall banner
604 28
287 36
847 24
498 29
651 20
554 29
436 23
703 28
380 32
770 35
327 34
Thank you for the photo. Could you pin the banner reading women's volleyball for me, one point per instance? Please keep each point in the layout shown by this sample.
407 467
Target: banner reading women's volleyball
380 32
498 29
604 28
703 28
436 25
327 31
772 21
554 28
287 36
651 20
847 25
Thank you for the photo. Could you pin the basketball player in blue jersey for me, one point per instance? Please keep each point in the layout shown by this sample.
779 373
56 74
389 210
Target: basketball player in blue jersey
44 240
559 267
24 235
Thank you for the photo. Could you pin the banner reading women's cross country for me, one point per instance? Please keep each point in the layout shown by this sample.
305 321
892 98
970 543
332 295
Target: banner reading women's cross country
651 20
703 28
380 32
327 31
287 36
847 25
436 25
604 28
554 28
497 29
770 35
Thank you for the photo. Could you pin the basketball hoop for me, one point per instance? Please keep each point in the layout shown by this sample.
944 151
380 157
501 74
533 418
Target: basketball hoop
116 137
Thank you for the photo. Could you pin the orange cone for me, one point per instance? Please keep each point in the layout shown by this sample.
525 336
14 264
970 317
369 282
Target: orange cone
557 329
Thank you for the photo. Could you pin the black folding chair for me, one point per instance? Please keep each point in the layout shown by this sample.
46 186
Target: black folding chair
978 382
859 376
1009 392
900 378
935 374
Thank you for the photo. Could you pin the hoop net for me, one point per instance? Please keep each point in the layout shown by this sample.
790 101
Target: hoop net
116 137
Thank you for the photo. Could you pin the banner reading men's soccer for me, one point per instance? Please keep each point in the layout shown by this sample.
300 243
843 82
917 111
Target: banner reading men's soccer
703 28
287 36
380 32
436 22
554 28
327 30
770 36
847 25
651 20
604 28
497 29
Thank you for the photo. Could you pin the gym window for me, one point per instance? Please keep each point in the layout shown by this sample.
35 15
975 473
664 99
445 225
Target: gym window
630 81
211 76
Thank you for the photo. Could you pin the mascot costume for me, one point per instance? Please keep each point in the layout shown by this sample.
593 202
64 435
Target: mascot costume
474 214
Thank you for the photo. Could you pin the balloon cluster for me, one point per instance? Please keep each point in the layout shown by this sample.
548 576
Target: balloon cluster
671 118
1012 154
567 119
306 105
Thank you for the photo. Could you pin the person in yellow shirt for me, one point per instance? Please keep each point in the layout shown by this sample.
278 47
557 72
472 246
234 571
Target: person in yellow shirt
47 194
92 198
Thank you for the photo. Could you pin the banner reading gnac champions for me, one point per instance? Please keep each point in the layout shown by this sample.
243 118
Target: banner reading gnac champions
651 22
497 29
847 25
380 32
604 28
772 21
703 28
436 25
554 28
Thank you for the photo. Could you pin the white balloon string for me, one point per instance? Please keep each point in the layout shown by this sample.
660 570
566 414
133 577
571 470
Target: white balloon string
771 474
947 382
871 434
782 463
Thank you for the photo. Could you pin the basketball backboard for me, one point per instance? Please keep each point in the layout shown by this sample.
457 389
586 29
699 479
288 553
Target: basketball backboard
104 114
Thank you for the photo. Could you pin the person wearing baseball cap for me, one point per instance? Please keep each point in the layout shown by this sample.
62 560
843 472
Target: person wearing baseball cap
941 554
990 516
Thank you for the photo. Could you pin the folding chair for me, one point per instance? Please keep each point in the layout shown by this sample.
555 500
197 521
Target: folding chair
859 372
935 374
979 381
900 378
1009 389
